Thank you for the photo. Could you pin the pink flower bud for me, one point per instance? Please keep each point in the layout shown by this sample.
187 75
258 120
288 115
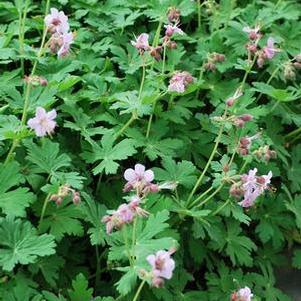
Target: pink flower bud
210 66
230 102
246 117
59 201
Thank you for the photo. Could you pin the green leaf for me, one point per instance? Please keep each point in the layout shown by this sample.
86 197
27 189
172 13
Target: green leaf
93 213
63 219
295 207
49 267
182 173
80 290
21 244
46 157
107 154
13 202
127 282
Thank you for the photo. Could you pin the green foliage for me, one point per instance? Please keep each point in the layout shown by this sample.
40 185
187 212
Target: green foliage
61 194
21 244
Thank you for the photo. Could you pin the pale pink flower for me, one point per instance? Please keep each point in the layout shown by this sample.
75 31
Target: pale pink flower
162 264
253 186
141 42
43 123
179 81
125 213
138 178
172 29
270 50
66 41
57 21
134 206
245 294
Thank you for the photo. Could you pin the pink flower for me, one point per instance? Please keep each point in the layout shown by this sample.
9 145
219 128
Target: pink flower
253 186
141 42
125 213
245 294
269 50
162 264
138 178
172 29
134 206
179 81
66 41
57 21
43 123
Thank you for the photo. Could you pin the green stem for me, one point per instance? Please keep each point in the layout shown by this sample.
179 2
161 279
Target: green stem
293 133
97 275
151 116
211 196
200 197
138 291
44 208
10 153
270 79
22 21
221 207
129 122
133 238
248 72
126 243
199 14
199 181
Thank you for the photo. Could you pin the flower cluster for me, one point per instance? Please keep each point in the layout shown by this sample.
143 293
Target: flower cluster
35 80
264 153
162 266
266 53
139 180
63 192
250 187
141 42
61 39
291 67
245 144
212 59
179 81
243 294
43 123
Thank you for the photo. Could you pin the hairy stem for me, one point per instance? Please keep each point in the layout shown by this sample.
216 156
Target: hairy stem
44 208
221 207
199 181
138 291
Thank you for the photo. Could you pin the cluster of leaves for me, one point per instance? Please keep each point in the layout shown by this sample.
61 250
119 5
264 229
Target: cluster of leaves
109 119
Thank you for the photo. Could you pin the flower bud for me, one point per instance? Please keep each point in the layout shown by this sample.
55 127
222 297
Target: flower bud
246 117
210 66
173 14
230 102
59 201
53 197
252 48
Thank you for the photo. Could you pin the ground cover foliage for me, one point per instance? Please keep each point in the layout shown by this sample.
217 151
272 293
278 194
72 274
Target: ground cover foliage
149 149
